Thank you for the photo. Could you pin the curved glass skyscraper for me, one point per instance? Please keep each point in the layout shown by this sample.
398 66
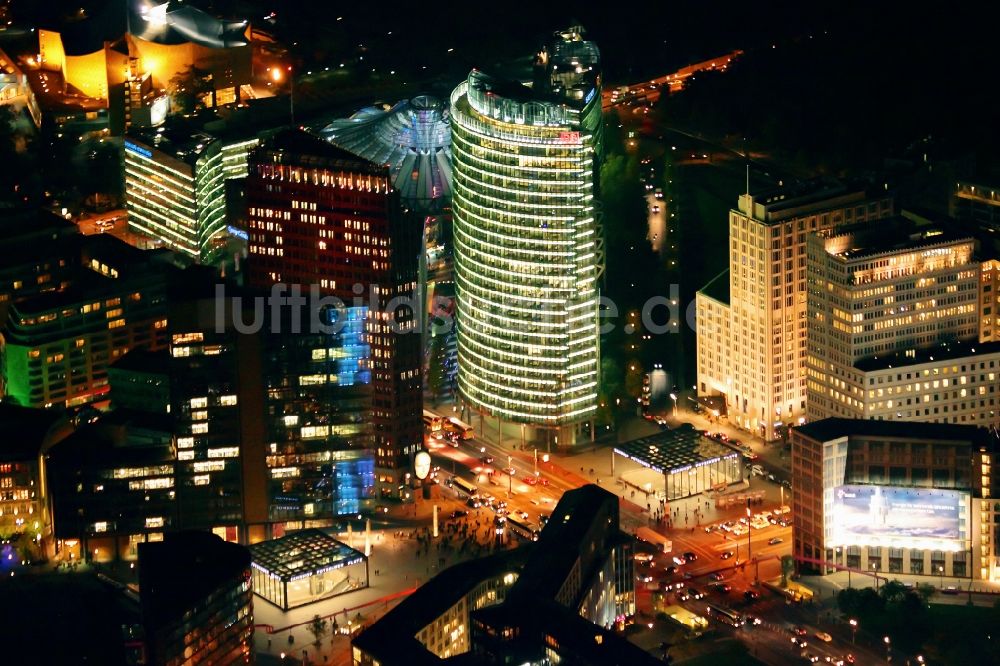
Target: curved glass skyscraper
528 248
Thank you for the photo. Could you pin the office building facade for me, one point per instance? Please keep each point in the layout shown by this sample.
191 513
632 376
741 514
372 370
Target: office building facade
323 219
765 388
883 498
57 346
175 189
895 318
527 241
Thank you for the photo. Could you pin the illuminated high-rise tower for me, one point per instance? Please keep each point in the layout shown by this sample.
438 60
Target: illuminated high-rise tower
528 246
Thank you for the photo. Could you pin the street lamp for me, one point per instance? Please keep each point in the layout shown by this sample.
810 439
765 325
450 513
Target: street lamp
888 647
941 572
854 630
673 396
875 574
510 476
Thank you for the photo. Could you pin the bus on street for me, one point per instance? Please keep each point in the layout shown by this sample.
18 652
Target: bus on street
464 488
432 421
725 615
522 529
463 429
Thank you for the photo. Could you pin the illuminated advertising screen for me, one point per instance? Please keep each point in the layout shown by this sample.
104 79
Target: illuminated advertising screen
899 517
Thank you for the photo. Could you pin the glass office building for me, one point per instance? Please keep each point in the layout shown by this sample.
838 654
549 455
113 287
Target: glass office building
528 245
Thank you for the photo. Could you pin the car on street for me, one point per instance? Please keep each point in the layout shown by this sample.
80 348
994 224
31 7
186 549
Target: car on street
717 576
656 209
799 631
823 636
486 460
773 541
683 595
951 589
751 595
510 471
811 658
643 557
459 514
679 561
690 556
726 555
670 570
697 594
721 588
710 528
644 578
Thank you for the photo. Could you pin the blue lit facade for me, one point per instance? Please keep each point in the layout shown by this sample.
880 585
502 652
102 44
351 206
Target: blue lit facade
317 425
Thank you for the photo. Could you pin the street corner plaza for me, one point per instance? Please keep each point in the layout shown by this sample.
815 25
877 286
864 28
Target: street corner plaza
900 517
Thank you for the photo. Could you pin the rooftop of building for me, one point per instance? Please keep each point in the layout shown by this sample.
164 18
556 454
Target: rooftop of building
718 287
559 543
308 149
573 634
167 23
302 554
939 353
394 636
797 198
413 138
835 428
176 140
106 443
85 286
144 361
891 235
18 225
674 450
27 431
178 573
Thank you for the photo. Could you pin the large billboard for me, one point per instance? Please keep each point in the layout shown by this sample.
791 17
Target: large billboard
898 517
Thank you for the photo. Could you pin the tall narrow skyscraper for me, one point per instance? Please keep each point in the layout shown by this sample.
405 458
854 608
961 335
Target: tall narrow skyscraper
321 216
528 247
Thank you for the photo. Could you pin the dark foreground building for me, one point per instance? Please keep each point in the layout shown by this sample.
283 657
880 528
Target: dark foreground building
555 601
197 605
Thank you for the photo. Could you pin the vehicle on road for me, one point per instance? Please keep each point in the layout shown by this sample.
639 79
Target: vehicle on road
726 555
527 531
684 595
462 429
644 578
811 658
679 561
671 570
718 575
951 589
643 557
773 541
725 615
459 514
510 471
751 595
656 209
697 594
823 636
799 631
690 556
486 460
